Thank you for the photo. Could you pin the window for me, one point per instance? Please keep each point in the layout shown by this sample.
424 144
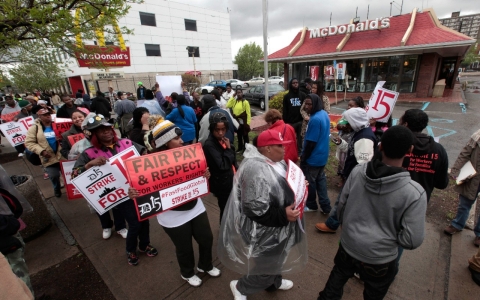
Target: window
152 50
193 50
190 25
109 43
147 19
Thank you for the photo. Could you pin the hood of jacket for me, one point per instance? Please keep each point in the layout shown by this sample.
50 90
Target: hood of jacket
317 104
290 86
382 179
423 144
357 118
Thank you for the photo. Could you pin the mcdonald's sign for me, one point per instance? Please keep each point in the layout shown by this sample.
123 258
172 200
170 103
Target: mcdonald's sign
108 56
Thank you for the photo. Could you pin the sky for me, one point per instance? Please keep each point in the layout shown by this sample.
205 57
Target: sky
287 17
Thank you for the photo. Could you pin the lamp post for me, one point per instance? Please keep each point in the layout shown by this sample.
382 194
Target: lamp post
191 50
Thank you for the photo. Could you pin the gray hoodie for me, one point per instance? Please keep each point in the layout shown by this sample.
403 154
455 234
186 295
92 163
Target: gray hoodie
381 208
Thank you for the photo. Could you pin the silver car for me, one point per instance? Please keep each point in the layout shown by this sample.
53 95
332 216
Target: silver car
255 81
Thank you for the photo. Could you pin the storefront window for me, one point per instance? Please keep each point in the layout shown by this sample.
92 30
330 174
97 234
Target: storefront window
398 72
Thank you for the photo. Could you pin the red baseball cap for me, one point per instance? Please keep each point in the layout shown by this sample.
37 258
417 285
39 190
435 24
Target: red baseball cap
271 137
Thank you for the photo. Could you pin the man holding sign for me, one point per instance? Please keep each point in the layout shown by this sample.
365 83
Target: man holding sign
105 145
183 221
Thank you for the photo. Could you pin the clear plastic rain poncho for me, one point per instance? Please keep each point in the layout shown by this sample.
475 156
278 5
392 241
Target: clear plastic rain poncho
7 184
248 247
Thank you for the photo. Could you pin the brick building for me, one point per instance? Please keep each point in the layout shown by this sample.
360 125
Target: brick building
411 52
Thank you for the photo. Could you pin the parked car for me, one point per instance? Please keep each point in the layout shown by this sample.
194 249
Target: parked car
217 83
255 81
256 95
275 80
130 95
208 88
235 83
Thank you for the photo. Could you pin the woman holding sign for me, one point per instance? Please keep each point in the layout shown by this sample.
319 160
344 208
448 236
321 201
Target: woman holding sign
76 130
183 222
105 144
260 235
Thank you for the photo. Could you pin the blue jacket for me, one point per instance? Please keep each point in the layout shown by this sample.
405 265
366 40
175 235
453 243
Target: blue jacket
187 124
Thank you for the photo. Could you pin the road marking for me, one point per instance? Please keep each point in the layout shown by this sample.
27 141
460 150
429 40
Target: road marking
425 105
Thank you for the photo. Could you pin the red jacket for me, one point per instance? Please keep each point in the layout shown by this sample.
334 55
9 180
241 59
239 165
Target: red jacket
288 133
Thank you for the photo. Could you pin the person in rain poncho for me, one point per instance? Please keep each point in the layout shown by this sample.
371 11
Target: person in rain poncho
259 235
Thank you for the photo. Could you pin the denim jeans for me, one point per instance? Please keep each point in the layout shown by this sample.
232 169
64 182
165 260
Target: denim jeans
462 214
332 222
317 185
53 172
377 278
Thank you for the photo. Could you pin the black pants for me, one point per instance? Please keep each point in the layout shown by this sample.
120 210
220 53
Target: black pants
138 232
20 148
376 278
252 284
222 202
242 136
118 219
181 236
298 129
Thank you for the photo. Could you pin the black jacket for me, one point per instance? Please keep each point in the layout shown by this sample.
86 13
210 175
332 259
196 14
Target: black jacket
144 89
63 113
9 223
292 102
101 106
428 164
220 162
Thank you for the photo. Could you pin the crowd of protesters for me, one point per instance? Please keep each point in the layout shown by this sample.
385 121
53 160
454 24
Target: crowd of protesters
381 205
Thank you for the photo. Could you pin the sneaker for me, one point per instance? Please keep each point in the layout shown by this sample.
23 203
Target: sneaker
476 242
107 233
451 230
236 294
149 251
45 176
193 281
123 232
322 227
306 209
58 193
132 258
286 284
20 154
214 272
475 275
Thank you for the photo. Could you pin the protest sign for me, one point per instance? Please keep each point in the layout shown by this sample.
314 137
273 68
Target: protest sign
75 138
61 125
170 84
106 186
334 121
381 103
167 179
67 167
16 132
296 181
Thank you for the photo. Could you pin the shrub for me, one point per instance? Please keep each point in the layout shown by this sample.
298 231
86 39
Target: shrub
277 101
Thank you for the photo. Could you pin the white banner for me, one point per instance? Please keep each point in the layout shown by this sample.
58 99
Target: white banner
381 103
176 195
106 186
170 84
16 132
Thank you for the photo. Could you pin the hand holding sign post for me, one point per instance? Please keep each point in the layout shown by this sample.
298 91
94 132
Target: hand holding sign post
381 104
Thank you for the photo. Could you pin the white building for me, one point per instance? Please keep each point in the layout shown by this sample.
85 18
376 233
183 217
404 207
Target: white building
162 32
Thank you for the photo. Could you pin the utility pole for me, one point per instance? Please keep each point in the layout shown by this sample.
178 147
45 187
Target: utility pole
191 50
265 50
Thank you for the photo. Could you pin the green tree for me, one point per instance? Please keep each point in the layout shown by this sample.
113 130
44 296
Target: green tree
54 24
247 60
41 76
472 55
275 69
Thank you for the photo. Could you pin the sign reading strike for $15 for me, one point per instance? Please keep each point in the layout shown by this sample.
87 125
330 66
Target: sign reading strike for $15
158 171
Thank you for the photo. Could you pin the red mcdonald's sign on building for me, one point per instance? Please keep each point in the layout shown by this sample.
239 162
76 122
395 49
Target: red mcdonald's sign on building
109 56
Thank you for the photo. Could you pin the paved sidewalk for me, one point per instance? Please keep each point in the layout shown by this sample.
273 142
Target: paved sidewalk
423 273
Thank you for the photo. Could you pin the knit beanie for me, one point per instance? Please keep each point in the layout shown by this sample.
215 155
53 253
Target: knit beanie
164 132
23 103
